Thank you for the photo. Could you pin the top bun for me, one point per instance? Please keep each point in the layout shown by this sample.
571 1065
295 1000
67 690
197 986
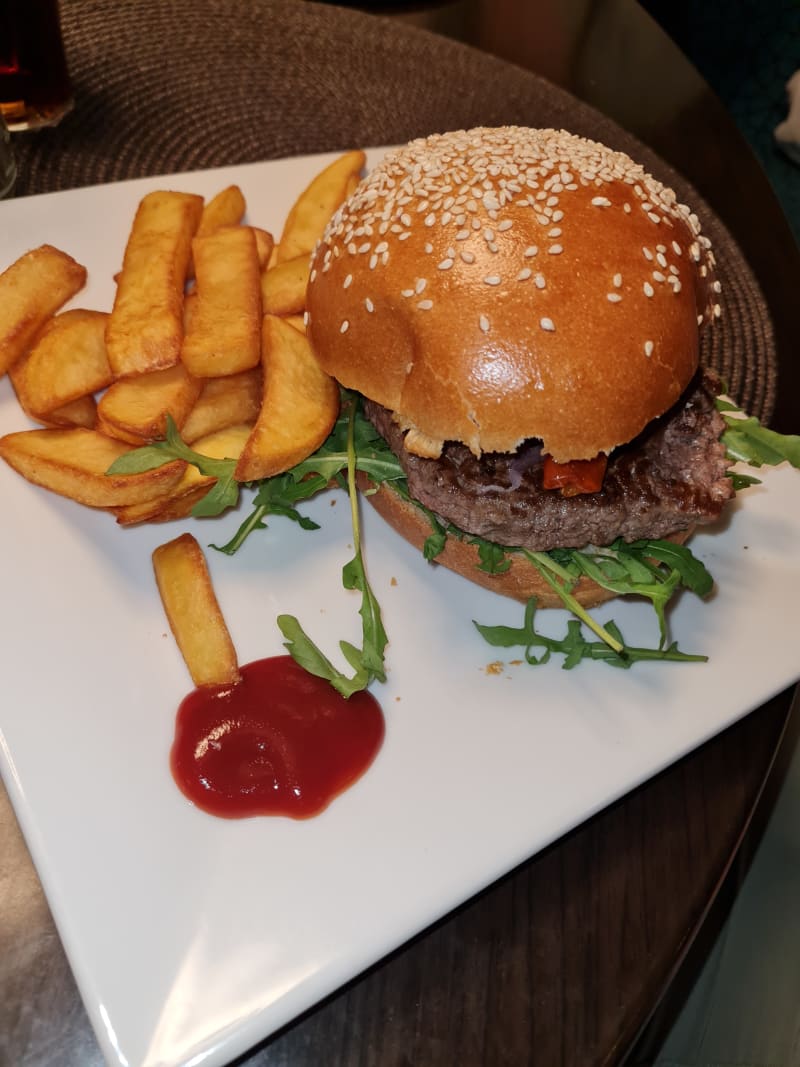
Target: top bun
492 285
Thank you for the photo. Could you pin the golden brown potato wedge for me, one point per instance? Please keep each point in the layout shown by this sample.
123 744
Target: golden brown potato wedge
193 486
224 402
193 612
67 361
80 412
299 406
265 243
74 462
224 335
283 287
135 409
31 290
312 210
227 208
145 331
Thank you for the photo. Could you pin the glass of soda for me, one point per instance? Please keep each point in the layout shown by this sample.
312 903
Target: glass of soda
35 88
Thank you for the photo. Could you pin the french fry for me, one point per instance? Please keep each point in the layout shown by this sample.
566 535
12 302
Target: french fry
225 324
67 362
74 462
298 321
299 406
135 409
193 612
312 210
224 402
227 208
283 287
31 290
80 412
193 486
265 243
145 330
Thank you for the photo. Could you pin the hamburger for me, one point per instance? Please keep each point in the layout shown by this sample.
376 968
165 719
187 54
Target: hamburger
521 311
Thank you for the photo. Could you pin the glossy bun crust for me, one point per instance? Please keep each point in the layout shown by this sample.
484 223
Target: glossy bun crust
493 285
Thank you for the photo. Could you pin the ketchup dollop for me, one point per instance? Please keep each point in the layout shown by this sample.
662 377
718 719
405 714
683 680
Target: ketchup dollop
278 742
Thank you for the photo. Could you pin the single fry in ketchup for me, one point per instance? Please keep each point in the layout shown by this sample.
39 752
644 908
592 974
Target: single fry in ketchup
193 612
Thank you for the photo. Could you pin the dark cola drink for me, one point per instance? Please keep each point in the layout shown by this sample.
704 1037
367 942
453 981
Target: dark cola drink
35 88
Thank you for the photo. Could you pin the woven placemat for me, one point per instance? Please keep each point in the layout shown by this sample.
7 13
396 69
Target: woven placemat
164 87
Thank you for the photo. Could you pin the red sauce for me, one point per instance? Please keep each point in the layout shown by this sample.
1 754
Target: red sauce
279 742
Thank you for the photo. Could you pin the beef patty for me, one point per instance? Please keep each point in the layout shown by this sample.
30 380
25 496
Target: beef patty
670 478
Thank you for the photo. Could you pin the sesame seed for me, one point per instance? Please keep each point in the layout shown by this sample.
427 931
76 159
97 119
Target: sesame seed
524 274
312 275
428 247
347 281
676 248
617 280
648 289
468 257
373 261
492 279
506 224
699 320
531 250
661 259
365 247
647 253
648 348
658 276
483 322
539 281
717 311
407 292
555 250
344 327
306 318
369 305
425 305
626 208
601 201
446 264
614 298
717 287
555 232
558 215
547 324
653 217
420 285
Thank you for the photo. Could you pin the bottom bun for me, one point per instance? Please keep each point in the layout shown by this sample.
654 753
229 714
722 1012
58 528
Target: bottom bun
520 582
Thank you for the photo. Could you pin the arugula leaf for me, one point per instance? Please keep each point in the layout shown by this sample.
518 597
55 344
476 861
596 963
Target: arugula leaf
747 441
493 558
368 661
223 495
574 646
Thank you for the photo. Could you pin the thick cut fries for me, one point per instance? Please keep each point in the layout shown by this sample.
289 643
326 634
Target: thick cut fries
193 612
283 287
193 486
136 409
67 362
227 208
224 402
74 462
312 210
299 406
145 330
224 329
31 290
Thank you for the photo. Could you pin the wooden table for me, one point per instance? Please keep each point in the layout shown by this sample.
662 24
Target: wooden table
562 961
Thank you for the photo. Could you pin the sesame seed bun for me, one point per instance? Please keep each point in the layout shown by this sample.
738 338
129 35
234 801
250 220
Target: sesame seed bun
494 285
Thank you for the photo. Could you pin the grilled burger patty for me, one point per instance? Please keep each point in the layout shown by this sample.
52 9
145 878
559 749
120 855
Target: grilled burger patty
670 478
